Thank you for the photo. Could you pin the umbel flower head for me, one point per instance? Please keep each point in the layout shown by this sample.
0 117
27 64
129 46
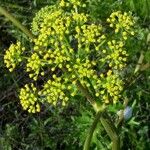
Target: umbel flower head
122 21
13 56
29 98
71 48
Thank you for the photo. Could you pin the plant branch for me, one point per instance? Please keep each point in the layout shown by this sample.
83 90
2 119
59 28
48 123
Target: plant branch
89 97
85 92
91 131
111 131
4 12
105 120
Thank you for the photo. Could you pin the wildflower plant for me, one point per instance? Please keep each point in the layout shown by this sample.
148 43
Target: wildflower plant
90 58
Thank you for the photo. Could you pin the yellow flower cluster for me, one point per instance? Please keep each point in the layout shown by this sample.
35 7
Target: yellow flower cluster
123 22
109 87
82 69
64 4
29 98
56 57
117 55
68 41
50 42
89 34
33 66
81 18
54 90
39 17
13 56
73 3
113 86
76 2
51 27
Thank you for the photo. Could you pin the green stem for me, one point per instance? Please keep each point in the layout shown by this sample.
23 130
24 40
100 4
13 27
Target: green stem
90 134
104 118
111 131
85 92
89 96
16 22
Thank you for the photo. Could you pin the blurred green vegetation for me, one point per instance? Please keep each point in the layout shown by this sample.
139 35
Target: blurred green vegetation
57 128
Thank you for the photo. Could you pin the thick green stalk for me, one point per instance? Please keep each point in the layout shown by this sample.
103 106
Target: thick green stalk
105 120
91 131
89 97
16 22
111 131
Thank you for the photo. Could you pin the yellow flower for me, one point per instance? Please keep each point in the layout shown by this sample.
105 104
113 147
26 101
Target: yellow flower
13 56
29 98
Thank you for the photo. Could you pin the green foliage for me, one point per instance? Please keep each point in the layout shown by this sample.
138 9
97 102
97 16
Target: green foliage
100 10
9 136
140 7
83 123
